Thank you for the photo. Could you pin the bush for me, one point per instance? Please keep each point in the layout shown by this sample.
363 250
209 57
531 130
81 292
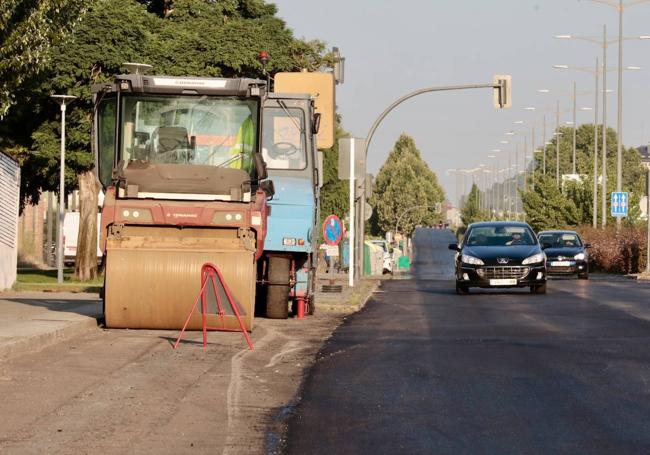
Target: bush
622 252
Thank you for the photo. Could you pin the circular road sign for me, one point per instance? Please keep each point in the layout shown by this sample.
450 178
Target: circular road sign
332 230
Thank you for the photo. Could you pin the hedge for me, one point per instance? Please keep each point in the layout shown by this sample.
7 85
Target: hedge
616 252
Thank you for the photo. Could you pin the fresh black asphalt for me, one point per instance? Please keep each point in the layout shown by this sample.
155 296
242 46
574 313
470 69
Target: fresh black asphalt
422 370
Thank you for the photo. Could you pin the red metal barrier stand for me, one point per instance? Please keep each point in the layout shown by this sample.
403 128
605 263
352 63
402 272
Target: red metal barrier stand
211 272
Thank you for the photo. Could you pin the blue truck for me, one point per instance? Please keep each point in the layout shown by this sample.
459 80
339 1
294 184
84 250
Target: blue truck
292 135
292 160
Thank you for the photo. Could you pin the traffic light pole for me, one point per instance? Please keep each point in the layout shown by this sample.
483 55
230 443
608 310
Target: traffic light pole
503 99
647 245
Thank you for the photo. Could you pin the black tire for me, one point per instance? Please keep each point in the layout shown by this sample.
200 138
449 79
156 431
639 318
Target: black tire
538 289
583 276
277 296
312 286
461 290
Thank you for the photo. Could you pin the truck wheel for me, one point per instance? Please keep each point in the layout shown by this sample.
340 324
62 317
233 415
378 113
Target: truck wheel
277 296
312 291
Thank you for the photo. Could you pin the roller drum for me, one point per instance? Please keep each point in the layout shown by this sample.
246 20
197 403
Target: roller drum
152 281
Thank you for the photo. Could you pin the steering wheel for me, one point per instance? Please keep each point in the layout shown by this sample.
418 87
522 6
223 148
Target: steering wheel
283 150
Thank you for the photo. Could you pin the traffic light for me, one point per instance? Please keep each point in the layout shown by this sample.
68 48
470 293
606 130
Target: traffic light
502 90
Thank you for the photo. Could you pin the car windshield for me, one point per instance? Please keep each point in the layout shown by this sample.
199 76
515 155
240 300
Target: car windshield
560 239
500 236
213 131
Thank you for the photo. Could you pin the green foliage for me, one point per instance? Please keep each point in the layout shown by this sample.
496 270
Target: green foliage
335 193
179 37
548 207
404 182
471 211
28 29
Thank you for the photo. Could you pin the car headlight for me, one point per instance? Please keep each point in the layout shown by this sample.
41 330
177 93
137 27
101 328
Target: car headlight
579 256
470 260
534 259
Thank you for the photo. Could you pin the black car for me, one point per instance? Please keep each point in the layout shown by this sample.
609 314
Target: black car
500 254
566 253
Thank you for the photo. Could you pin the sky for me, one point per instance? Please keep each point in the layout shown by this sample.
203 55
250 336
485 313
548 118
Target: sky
395 47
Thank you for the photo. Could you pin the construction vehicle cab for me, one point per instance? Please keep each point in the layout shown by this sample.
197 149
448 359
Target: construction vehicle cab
179 160
298 121
290 249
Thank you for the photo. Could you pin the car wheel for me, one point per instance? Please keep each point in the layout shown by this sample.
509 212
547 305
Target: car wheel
583 276
461 290
539 289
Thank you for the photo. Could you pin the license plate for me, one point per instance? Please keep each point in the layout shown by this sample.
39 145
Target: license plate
560 263
503 282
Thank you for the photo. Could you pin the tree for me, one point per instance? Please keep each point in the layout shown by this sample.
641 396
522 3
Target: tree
404 182
27 31
547 208
575 199
179 37
471 211
85 266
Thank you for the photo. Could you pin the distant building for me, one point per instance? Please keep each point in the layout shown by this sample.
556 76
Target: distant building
451 215
9 200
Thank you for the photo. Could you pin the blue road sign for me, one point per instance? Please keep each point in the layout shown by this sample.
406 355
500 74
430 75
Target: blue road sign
332 230
620 203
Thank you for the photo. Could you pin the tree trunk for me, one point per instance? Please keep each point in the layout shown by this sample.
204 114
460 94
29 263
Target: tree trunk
85 268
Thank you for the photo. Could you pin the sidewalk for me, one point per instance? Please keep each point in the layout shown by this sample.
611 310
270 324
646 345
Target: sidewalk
30 321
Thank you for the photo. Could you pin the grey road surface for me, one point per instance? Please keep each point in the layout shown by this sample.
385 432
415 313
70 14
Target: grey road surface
422 370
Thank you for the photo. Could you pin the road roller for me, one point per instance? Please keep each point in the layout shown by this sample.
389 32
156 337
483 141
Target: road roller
179 160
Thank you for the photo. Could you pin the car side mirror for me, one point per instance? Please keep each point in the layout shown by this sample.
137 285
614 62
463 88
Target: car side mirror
316 125
453 247
546 245
268 188
260 166
587 245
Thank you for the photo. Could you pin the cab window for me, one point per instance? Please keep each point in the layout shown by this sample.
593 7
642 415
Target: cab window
283 139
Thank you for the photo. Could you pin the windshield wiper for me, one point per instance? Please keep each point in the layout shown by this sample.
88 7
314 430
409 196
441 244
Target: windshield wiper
231 159
293 118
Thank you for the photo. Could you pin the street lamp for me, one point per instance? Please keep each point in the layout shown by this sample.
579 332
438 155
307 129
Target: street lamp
574 96
544 142
620 6
596 71
493 181
63 101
